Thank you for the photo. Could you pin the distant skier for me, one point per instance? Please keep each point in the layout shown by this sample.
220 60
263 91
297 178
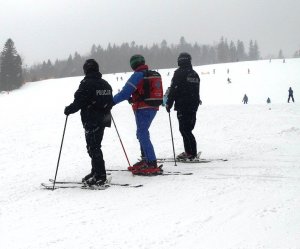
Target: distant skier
144 114
228 80
291 95
268 100
94 99
184 91
245 99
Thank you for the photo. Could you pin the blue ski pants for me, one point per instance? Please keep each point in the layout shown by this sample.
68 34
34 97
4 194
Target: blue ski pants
144 118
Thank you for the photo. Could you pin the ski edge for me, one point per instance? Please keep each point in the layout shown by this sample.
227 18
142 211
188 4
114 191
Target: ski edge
50 187
110 183
171 160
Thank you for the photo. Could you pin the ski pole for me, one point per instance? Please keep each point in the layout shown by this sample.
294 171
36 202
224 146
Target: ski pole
172 138
62 140
120 140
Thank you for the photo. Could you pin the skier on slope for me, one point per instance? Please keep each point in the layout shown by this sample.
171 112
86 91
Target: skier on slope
291 95
245 99
144 115
184 92
94 99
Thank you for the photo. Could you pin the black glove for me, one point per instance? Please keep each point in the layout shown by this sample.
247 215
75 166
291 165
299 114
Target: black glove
70 109
168 108
130 101
108 107
200 102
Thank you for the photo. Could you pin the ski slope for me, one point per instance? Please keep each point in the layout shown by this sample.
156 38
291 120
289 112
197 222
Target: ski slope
250 201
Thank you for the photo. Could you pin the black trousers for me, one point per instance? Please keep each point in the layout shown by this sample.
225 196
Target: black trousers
187 121
93 137
291 96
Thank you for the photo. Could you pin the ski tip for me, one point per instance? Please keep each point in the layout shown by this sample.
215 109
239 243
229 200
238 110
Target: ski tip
47 187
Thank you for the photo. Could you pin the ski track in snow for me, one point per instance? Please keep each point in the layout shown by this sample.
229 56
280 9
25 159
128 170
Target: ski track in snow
250 201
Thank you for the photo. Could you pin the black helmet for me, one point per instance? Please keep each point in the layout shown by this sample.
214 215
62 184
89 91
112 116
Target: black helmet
184 59
137 60
90 65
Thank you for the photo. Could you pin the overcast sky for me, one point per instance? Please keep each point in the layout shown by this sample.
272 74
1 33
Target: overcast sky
51 29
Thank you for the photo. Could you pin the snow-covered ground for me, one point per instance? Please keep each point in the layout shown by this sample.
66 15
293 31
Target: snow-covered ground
251 201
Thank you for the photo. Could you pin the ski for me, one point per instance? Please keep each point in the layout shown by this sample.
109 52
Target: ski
110 183
164 173
196 160
58 186
169 173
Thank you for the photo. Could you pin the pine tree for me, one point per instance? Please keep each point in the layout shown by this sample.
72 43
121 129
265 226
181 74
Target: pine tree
256 51
11 68
280 54
223 53
241 55
233 52
253 51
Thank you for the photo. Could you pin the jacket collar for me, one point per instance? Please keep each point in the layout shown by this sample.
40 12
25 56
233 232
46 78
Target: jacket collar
93 75
141 68
185 65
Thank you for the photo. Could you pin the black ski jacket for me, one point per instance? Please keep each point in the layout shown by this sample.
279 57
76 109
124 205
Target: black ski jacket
94 99
185 90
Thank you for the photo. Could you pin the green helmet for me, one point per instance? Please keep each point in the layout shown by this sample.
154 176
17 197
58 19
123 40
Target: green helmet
137 60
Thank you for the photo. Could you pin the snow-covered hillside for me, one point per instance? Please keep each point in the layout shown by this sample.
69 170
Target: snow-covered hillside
250 201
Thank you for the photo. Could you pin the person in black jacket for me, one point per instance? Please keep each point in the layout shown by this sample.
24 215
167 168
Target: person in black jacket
184 91
94 99
291 95
245 99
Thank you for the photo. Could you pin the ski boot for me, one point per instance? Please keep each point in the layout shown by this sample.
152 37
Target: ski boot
185 157
137 165
148 169
87 177
98 182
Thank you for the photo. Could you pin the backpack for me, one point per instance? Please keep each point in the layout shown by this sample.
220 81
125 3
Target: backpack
152 89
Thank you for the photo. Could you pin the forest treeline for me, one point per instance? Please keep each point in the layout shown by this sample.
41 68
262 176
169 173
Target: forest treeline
115 58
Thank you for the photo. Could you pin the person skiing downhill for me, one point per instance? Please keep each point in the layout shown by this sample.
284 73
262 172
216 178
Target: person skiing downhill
94 99
144 115
184 91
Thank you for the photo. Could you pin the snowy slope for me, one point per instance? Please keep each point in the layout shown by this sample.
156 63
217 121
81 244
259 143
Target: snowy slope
251 201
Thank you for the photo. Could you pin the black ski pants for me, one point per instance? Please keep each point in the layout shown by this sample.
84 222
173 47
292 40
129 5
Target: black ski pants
187 121
93 136
291 97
